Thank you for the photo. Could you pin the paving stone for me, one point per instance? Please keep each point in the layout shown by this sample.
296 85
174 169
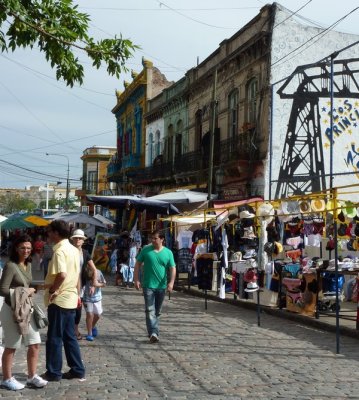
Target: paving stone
218 353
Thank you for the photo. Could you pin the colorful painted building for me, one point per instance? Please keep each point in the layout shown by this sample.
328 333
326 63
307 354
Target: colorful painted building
131 129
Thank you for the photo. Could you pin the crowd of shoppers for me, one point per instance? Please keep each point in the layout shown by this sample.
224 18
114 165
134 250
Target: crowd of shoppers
71 280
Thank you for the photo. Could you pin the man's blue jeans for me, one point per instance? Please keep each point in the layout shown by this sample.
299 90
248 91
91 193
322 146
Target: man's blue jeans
153 306
61 330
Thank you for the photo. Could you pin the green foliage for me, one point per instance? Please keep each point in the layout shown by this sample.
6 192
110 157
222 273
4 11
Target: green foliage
11 203
56 28
59 203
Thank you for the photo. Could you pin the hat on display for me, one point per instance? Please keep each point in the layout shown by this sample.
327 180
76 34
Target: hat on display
283 213
352 245
341 215
251 287
250 253
266 212
288 209
269 248
78 233
318 205
246 214
293 207
248 233
349 210
304 207
278 248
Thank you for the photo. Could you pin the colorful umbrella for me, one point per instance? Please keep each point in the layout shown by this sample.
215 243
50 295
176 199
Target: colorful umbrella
36 220
15 223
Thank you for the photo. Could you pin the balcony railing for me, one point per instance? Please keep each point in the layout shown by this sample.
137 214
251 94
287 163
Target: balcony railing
232 149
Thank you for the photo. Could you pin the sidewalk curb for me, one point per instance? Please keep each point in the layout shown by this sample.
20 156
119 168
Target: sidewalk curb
304 320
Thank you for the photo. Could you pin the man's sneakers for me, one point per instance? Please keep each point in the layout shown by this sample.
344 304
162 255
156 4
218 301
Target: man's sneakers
154 338
36 382
89 338
12 384
94 332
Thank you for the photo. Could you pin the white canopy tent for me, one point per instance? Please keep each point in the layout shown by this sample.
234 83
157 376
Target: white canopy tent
182 196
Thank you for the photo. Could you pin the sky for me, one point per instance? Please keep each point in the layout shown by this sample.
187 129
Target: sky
40 115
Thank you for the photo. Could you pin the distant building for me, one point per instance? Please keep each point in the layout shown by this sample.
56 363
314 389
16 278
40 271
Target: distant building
94 172
39 194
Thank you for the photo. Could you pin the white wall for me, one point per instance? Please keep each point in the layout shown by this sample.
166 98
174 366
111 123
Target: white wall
292 38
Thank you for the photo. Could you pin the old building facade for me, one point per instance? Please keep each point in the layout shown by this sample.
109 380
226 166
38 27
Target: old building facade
229 118
131 129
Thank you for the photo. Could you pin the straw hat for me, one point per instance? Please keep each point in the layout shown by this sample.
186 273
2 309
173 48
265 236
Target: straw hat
318 205
266 212
304 206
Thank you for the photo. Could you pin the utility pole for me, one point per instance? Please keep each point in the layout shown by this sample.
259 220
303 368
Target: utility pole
47 196
211 143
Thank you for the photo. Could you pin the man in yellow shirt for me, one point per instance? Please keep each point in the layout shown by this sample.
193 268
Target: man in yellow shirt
61 298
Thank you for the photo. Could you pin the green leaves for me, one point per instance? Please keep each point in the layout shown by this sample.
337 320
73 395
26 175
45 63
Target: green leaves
57 28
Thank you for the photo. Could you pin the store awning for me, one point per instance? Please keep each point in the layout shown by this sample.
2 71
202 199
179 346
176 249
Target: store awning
82 218
182 196
140 203
192 219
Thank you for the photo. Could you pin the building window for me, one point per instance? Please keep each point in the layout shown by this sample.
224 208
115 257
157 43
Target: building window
252 101
178 150
233 113
151 154
158 149
169 144
198 130
91 180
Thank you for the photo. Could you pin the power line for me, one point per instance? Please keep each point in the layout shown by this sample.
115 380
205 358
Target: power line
294 13
62 143
54 79
163 9
190 18
320 34
35 172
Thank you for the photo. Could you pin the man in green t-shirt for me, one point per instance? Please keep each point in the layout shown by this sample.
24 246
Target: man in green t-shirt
156 260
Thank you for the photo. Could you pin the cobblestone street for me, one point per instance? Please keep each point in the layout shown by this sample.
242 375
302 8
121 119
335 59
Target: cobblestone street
220 353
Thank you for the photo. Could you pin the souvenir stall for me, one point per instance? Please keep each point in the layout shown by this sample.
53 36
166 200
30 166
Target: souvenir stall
302 253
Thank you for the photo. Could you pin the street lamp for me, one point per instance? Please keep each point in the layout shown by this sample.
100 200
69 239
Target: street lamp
67 178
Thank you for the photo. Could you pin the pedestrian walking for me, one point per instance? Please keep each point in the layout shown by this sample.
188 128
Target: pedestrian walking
93 302
17 319
86 265
61 298
156 260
